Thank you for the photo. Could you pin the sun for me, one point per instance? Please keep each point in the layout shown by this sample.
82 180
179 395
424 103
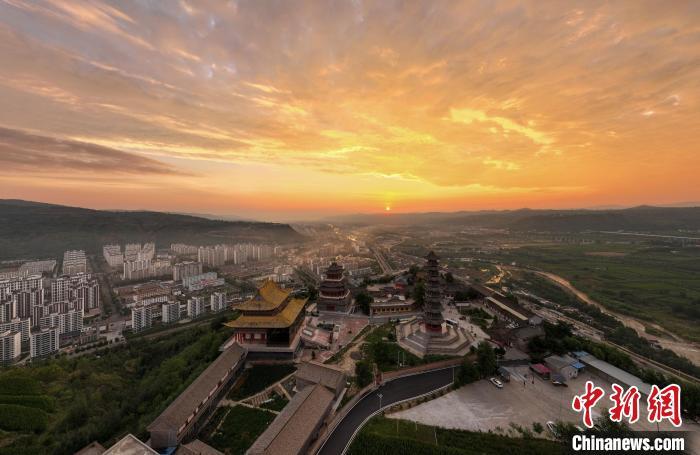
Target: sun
387 208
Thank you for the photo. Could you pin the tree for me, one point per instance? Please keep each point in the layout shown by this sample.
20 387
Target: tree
419 293
468 372
363 300
363 373
486 359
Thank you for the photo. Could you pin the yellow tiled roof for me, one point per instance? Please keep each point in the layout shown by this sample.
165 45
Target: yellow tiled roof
281 320
269 297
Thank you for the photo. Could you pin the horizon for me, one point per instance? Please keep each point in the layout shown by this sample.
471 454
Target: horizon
383 213
303 111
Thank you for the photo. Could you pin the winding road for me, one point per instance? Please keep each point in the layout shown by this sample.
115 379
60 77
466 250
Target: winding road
392 392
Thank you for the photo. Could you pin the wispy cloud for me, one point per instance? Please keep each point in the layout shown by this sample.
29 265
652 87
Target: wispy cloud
440 98
24 152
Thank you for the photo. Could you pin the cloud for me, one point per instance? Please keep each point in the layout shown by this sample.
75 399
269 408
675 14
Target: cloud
447 96
24 152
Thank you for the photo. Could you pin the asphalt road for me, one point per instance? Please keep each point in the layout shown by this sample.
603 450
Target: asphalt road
392 392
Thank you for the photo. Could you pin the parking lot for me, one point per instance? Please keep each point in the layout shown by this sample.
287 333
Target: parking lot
482 407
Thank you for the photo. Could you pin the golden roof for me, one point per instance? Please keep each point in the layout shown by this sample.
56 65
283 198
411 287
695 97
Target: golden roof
269 297
281 320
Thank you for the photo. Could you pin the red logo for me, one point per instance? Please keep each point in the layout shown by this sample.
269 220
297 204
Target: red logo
626 404
665 404
586 401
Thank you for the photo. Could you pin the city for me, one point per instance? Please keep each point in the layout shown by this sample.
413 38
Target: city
349 227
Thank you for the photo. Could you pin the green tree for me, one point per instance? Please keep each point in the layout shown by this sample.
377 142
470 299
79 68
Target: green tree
468 372
486 359
419 293
363 373
363 300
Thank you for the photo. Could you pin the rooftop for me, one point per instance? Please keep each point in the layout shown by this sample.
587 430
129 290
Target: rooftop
197 447
292 428
326 375
176 415
130 445
281 320
616 373
268 297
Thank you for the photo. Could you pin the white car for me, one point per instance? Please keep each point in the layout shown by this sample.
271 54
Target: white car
496 382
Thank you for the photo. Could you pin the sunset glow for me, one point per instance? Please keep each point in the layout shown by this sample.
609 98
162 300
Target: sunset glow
276 110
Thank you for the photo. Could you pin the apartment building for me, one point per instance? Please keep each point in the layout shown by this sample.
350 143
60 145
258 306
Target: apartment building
186 269
74 262
218 302
141 318
10 347
170 312
113 255
43 342
195 307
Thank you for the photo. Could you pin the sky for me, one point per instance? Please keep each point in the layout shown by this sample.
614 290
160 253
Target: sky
282 110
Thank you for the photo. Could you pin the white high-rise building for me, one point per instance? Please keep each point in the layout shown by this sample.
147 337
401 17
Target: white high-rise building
170 312
113 255
195 307
10 347
8 310
213 256
12 285
22 326
37 267
82 291
43 342
184 270
218 302
74 261
70 322
141 318
183 249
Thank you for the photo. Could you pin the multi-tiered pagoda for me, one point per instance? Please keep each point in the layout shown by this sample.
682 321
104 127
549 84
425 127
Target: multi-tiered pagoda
433 296
430 335
333 294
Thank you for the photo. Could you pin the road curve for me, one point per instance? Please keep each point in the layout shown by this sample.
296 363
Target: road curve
392 392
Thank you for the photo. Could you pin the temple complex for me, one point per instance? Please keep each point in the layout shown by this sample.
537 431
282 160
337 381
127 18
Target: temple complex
430 334
333 294
270 322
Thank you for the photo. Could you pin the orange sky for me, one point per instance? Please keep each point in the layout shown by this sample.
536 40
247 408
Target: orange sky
282 110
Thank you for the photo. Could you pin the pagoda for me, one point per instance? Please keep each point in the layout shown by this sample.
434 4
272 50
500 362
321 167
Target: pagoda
333 294
433 297
430 334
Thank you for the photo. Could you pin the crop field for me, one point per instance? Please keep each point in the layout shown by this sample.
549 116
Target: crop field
660 284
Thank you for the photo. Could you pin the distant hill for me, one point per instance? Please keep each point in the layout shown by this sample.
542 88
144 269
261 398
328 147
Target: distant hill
643 218
35 229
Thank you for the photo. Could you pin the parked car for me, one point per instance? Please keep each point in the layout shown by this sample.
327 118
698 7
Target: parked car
496 382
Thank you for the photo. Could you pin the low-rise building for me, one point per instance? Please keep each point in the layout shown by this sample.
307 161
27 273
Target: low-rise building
331 377
297 425
205 280
183 418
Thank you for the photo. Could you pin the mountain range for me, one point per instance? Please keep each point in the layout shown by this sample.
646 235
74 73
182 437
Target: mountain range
37 230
